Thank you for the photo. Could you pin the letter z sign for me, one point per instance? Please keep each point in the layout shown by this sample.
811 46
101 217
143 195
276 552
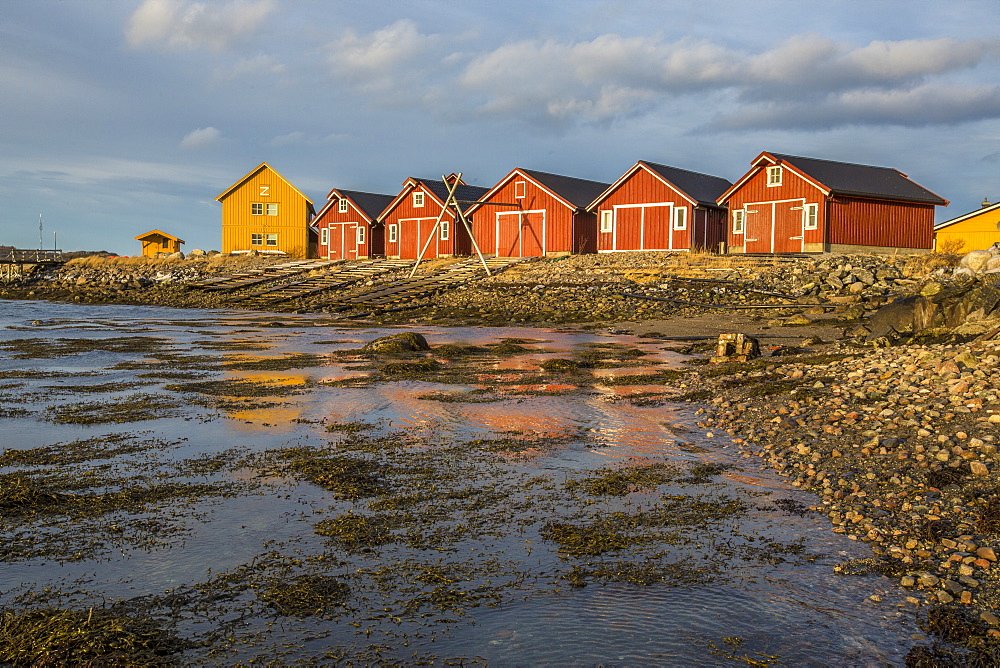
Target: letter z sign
264 191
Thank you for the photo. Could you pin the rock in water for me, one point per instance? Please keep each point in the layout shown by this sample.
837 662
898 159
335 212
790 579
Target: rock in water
397 343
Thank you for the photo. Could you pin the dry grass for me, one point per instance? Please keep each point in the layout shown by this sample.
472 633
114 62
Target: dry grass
228 262
436 264
920 265
950 247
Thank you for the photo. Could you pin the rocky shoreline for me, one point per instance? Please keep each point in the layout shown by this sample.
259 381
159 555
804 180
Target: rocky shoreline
898 437
899 444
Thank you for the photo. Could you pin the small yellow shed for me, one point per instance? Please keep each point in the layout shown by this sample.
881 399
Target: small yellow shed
263 212
976 230
155 241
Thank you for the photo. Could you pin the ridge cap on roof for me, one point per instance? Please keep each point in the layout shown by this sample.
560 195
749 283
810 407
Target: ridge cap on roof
836 162
681 169
562 176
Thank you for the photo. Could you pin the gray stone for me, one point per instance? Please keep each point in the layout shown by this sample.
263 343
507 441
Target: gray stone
975 260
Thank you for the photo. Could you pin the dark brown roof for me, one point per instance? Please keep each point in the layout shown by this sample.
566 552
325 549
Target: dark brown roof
846 178
578 192
371 203
702 188
463 193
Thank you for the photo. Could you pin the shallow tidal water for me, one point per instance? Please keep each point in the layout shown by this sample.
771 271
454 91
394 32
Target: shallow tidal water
753 587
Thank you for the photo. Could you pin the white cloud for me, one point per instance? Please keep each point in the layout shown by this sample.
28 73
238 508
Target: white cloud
929 104
551 83
613 77
382 60
182 24
201 138
259 65
290 138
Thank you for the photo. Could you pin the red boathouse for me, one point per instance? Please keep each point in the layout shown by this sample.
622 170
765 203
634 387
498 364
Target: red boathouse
790 204
536 214
409 220
656 207
346 225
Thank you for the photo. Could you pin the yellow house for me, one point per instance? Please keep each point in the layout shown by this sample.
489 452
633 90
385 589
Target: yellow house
264 212
155 241
976 230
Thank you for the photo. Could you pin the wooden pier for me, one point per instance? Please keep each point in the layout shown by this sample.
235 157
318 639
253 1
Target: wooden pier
16 263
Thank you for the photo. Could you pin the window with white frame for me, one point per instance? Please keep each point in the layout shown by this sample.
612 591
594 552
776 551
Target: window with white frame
739 220
271 240
445 230
272 208
361 234
393 233
774 176
520 188
324 236
418 199
812 216
606 218
342 205
256 239
680 218
256 209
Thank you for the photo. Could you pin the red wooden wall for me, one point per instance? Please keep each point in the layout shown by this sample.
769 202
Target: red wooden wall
338 223
867 222
650 227
414 225
545 225
794 191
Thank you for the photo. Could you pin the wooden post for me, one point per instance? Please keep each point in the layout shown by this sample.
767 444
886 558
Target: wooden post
451 200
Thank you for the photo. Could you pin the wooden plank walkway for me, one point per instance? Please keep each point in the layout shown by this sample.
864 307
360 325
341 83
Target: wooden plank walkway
341 276
409 289
252 277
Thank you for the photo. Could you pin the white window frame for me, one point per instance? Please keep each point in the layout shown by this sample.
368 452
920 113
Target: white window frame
271 240
256 209
257 239
774 174
445 230
811 217
607 221
393 233
271 208
680 218
739 221
361 234
520 189
324 236
418 200
342 205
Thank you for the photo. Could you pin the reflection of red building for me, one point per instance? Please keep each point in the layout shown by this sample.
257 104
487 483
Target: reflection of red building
655 207
409 220
346 225
788 204
535 214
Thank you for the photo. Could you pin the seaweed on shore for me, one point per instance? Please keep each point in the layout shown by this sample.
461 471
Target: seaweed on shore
94 637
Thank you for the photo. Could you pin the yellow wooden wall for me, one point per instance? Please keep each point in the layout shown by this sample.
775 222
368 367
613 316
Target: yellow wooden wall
976 233
291 224
158 244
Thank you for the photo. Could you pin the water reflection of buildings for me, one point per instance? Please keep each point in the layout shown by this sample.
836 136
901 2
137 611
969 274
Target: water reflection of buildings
280 417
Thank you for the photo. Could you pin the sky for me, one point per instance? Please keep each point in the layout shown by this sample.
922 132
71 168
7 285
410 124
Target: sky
122 116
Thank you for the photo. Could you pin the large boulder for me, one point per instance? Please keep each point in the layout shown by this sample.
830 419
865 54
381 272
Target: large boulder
405 342
948 308
976 260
